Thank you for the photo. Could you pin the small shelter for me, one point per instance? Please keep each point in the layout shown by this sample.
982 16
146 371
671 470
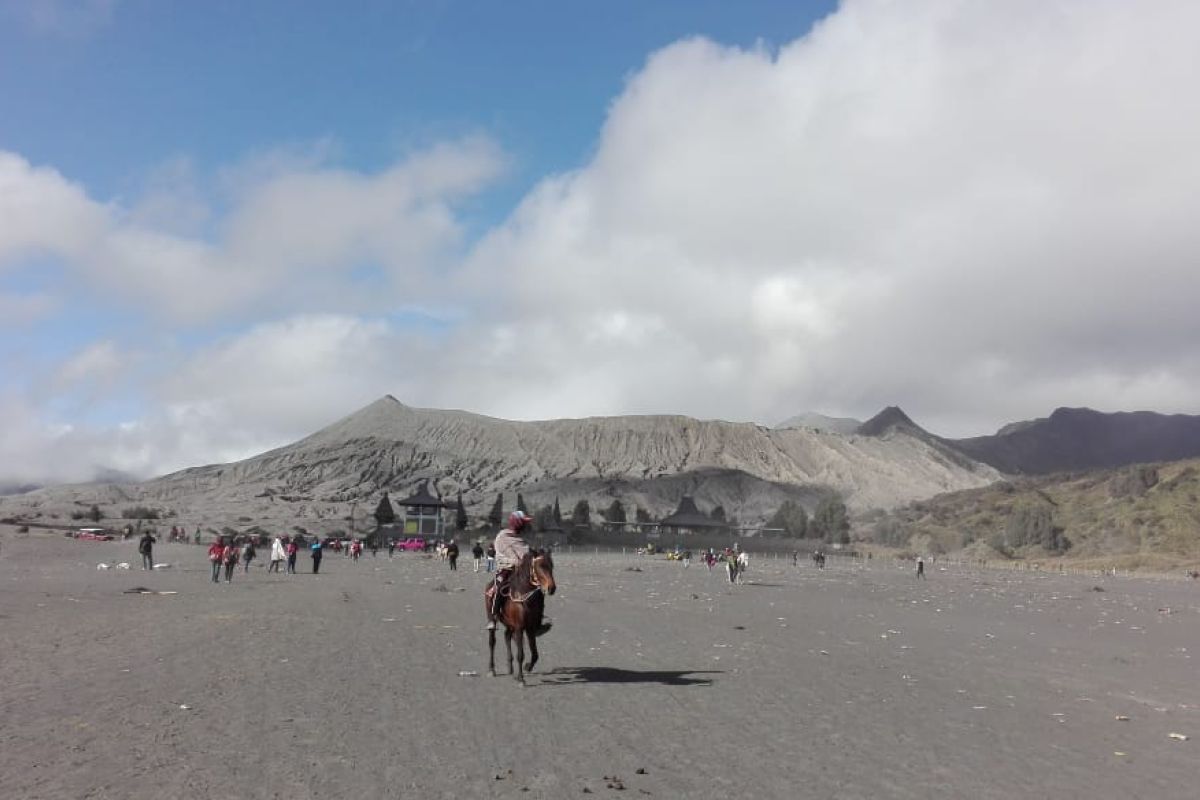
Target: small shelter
688 519
423 514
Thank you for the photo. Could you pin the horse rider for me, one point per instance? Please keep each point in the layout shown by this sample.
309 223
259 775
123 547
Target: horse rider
510 549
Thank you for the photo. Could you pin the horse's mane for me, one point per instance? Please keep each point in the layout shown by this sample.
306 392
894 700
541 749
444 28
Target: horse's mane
522 577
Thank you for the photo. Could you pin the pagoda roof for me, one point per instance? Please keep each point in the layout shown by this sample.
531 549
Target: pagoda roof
422 498
688 516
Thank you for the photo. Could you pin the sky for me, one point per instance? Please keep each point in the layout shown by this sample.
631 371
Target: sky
225 225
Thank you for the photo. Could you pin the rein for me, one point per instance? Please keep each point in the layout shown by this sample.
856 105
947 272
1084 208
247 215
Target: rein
533 581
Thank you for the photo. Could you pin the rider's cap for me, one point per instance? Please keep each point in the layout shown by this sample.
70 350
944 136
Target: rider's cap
518 519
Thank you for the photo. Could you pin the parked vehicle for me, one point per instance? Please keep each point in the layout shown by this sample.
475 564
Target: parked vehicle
94 535
413 544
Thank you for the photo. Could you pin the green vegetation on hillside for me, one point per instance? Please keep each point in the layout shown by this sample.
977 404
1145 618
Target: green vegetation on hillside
1140 516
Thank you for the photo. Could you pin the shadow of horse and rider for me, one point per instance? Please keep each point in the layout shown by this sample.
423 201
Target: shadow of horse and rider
521 610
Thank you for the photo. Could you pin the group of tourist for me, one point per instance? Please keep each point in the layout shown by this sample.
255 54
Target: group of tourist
448 552
224 554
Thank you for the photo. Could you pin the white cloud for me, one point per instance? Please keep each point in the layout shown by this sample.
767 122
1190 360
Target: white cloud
977 210
98 362
290 241
878 211
18 309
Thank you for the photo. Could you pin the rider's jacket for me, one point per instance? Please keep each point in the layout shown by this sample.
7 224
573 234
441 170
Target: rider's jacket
510 549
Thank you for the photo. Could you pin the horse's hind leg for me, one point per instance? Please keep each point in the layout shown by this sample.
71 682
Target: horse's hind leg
492 652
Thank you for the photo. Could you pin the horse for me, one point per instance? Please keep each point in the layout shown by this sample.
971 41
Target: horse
522 610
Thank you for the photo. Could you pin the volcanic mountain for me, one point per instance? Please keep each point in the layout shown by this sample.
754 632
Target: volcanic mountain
648 461
1079 439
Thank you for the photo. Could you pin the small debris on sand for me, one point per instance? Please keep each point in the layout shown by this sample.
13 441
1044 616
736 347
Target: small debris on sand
1178 736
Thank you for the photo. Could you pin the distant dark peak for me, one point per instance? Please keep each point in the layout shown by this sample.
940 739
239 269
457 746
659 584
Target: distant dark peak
1078 439
392 398
891 418
1073 413
1017 427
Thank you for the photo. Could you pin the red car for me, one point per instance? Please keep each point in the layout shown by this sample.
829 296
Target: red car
411 544
94 535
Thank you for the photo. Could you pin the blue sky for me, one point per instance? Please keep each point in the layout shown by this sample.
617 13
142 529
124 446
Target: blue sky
147 82
224 225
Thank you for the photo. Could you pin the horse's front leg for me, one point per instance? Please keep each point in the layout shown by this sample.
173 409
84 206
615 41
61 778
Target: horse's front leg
533 653
520 656
492 652
508 634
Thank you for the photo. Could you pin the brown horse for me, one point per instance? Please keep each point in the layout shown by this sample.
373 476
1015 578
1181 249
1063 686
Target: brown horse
522 610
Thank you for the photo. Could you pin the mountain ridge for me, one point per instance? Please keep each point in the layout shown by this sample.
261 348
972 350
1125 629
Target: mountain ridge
389 446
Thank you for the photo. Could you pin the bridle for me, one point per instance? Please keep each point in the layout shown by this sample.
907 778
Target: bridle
534 581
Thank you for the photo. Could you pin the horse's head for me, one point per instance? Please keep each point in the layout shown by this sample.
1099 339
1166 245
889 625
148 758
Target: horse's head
543 571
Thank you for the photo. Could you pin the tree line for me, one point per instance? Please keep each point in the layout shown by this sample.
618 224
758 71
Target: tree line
830 521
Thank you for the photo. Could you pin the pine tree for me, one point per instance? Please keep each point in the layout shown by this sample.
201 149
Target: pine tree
557 513
94 514
791 518
460 515
581 517
615 512
543 518
831 521
384 513
521 504
497 513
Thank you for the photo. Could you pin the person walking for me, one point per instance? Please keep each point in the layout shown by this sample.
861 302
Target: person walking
216 555
146 548
292 549
230 557
452 555
391 547
921 567
477 555
491 557
277 555
249 552
315 549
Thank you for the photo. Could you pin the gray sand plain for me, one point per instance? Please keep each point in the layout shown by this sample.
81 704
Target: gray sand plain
856 681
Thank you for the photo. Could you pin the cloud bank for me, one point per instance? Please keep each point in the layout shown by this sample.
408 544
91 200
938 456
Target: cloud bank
980 211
